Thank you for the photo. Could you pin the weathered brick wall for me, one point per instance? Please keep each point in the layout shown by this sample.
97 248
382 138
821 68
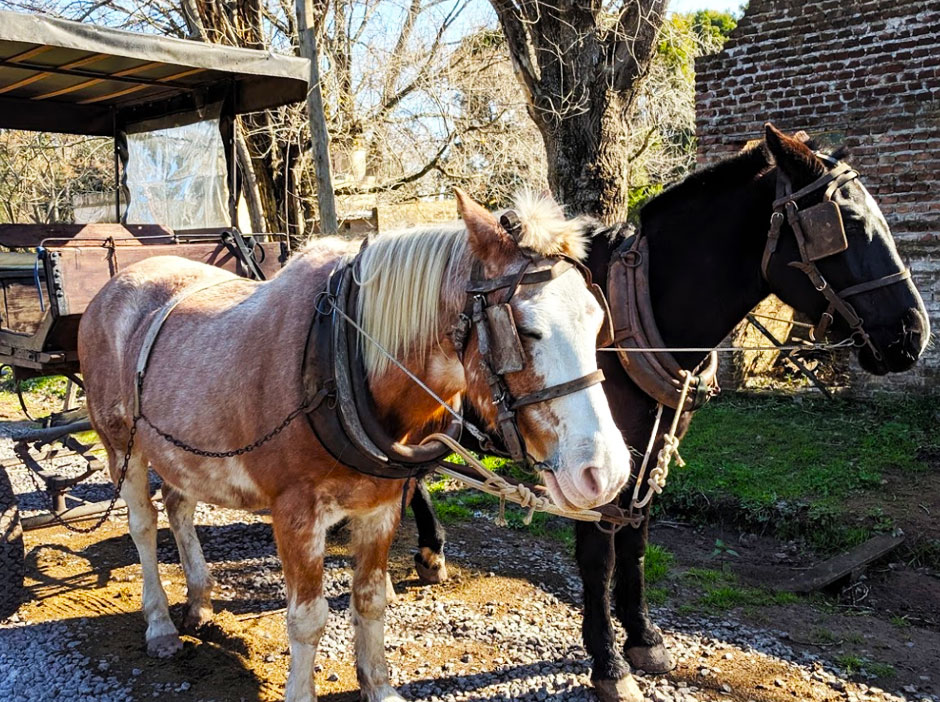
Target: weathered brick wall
864 73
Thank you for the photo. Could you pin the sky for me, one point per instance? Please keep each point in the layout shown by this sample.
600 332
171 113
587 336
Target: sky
693 5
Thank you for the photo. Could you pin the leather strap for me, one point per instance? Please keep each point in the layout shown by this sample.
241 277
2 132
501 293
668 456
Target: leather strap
559 390
156 325
882 282
658 374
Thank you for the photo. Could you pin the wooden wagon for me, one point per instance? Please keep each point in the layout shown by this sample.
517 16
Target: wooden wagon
167 104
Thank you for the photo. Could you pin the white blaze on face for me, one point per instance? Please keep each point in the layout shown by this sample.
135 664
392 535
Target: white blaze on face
590 461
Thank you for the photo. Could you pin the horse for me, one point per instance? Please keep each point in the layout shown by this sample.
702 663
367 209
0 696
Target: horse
719 242
183 361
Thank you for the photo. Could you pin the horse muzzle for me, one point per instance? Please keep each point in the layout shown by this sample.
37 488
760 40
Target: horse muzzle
900 346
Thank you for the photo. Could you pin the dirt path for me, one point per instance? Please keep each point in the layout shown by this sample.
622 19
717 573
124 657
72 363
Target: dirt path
506 626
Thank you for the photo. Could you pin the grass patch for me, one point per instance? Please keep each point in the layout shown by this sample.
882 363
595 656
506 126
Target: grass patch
657 563
721 591
856 665
657 596
790 464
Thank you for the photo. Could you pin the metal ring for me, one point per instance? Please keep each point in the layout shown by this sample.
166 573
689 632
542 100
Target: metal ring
318 301
637 258
776 215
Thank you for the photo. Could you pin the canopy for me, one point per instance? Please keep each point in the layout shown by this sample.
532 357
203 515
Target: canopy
61 76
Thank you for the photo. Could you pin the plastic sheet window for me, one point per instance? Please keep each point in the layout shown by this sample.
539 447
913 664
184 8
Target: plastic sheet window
177 177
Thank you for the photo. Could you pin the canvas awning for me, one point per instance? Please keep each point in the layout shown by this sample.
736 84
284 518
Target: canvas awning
61 76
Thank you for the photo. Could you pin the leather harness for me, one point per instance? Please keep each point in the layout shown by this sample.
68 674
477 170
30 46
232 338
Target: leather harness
819 233
656 373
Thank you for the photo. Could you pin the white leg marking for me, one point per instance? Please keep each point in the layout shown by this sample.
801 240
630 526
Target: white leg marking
305 624
162 638
367 604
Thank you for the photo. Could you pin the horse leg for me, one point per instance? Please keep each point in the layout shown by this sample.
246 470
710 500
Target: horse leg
199 583
645 647
429 561
594 551
300 526
372 536
162 637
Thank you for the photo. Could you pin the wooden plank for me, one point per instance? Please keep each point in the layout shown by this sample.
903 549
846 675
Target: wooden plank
22 313
84 61
850 563
29 236
82 271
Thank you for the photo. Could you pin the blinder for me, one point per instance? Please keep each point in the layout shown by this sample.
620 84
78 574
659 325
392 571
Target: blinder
501 349
825 233
820 233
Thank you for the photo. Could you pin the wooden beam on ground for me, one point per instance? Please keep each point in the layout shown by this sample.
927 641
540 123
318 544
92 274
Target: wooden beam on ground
850 564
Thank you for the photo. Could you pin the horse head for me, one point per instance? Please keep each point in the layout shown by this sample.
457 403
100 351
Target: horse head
860 263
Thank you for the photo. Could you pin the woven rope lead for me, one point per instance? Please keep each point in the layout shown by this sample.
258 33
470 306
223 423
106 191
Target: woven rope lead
670 450
494 484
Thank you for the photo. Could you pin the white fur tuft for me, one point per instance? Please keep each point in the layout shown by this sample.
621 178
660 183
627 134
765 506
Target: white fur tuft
545 229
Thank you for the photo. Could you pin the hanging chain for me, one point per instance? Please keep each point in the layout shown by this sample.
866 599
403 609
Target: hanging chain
57 518
248 448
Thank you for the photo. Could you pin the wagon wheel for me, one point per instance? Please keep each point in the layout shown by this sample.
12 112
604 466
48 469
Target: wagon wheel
12 556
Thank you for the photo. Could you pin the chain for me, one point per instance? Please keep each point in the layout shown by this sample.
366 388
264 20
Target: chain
248 448
114 498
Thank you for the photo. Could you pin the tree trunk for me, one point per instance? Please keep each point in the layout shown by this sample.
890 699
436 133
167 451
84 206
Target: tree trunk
580 65
588 161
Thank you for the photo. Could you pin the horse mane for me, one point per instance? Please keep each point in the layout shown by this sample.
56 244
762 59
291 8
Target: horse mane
409 277
747 163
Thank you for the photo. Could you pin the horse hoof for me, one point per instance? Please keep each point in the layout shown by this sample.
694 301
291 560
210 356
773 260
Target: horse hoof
196 618
432 570
386 693
164 646
391 597
653 659
623 690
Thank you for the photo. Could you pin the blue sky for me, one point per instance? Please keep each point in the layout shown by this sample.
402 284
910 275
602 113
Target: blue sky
692 5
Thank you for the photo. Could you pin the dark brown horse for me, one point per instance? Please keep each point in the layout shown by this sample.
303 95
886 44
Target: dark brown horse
707 237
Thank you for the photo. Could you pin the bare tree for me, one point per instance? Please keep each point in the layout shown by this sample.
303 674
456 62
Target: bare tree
581 65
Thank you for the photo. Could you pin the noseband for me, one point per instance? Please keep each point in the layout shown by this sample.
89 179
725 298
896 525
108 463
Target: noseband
489 314
819 233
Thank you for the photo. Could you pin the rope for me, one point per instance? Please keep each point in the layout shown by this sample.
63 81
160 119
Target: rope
494 484
670 450
845 343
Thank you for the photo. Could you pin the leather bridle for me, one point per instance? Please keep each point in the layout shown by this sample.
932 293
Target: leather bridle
820 233
488 313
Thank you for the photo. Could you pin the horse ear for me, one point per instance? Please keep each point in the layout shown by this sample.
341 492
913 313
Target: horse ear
793 157
488 241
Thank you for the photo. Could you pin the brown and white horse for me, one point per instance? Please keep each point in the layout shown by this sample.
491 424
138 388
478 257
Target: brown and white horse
226 369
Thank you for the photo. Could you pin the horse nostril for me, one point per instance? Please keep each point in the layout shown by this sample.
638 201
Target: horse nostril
913 334
592 484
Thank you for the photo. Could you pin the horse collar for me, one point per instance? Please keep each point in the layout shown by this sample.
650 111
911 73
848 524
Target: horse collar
657 373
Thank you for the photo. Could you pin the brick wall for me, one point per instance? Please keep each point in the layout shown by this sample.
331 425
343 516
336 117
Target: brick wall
863 73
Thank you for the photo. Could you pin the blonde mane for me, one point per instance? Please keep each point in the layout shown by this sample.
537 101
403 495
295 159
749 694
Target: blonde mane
410 277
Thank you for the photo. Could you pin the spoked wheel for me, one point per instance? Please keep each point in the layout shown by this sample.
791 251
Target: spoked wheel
12 555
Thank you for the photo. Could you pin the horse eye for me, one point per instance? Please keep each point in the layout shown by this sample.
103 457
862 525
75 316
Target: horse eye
530 333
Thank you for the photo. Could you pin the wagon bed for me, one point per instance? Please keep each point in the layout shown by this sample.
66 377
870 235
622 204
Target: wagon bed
51 273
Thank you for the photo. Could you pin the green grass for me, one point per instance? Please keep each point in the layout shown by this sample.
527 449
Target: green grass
856 665
721 591
789 464
657 563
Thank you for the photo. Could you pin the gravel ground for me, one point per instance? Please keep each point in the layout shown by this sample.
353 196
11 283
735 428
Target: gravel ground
483 637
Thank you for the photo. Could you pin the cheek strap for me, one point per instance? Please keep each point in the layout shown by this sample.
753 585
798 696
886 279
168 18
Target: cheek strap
550 393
